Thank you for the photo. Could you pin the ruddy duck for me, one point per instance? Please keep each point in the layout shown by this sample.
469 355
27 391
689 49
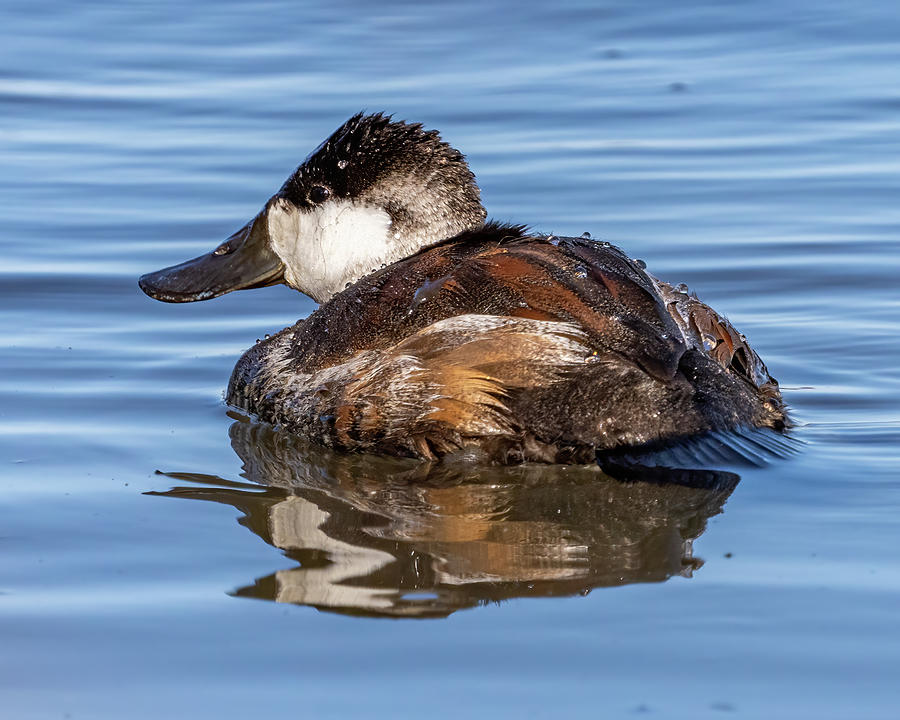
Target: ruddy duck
440 334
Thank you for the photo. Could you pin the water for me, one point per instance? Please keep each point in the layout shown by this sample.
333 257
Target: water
749 151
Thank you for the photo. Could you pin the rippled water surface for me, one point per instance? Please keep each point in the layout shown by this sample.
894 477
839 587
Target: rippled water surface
751 152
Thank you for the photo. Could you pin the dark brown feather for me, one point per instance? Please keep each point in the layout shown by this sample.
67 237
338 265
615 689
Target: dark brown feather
593 354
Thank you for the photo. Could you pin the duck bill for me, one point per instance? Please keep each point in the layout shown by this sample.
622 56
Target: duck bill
245 260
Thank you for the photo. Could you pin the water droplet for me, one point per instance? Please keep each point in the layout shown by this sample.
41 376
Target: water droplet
710 341
267 336
681 287
641 264
585 235
342 164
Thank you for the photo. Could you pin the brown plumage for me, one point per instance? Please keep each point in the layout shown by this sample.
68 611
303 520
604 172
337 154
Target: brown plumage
508 347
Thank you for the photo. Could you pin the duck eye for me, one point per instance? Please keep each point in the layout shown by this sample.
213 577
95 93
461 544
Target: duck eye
319 194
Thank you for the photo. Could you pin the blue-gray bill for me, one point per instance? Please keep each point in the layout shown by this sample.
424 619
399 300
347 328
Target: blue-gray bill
243 261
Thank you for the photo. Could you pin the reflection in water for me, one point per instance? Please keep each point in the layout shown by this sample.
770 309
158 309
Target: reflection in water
390 537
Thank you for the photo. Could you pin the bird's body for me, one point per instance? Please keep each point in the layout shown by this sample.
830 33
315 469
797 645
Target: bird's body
474 340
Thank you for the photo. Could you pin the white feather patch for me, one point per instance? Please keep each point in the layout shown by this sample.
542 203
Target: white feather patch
326 248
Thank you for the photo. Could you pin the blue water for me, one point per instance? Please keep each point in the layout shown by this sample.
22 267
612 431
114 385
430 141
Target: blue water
750 151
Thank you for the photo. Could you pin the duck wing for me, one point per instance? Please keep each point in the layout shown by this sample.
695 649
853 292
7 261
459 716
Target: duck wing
591 284
501 271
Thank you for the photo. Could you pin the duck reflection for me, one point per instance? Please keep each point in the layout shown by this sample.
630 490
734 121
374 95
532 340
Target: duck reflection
388 537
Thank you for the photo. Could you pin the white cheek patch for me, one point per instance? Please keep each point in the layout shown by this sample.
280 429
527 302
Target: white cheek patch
333 244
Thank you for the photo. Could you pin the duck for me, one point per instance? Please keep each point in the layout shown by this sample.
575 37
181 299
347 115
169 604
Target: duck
443 335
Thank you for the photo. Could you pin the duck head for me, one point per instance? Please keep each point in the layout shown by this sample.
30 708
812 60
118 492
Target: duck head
374 192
